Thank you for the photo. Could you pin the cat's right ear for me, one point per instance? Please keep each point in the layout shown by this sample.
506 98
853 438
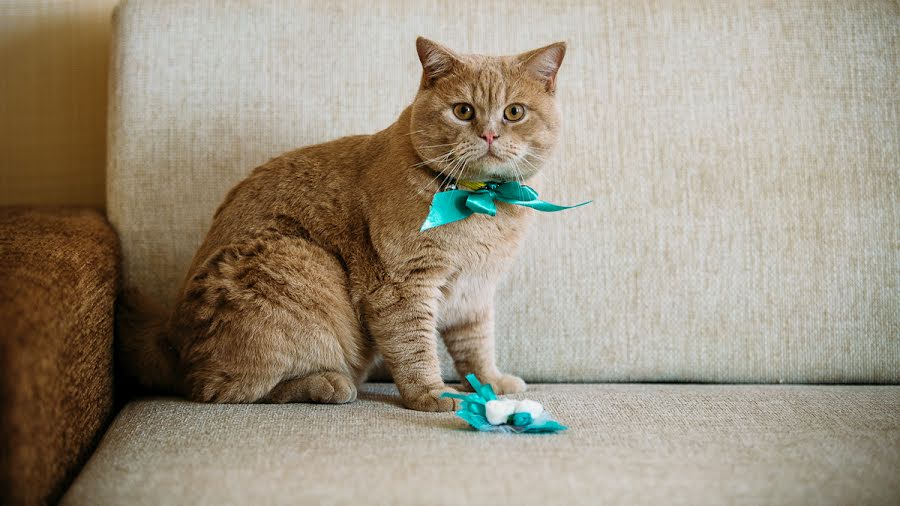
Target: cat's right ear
437 60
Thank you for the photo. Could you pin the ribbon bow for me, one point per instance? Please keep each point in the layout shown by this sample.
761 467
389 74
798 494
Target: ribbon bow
454 205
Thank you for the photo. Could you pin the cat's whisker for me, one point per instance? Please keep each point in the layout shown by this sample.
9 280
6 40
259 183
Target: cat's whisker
459 165
525 159
511 169
520 178
462 160
437 145
529 153
426 162
431 181
441 158
435 159
538 174
465 165
439 174
538 179
535 156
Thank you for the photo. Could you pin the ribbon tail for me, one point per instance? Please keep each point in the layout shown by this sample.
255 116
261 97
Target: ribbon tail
487 391
541 205
473 380
436 220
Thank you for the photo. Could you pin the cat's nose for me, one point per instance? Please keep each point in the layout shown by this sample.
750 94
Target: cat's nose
489 137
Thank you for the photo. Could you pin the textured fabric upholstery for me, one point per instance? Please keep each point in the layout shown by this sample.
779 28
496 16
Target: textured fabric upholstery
58 282
627 444
742 156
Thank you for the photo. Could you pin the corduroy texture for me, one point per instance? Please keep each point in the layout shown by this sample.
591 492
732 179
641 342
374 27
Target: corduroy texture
742 157
59 272
627 444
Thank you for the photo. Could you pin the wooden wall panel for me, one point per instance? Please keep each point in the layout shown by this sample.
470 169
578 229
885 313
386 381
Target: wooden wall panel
53 73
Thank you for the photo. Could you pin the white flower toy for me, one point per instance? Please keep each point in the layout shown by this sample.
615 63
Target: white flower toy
484 411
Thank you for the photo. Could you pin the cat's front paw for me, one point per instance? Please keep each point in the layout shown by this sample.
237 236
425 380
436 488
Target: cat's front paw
502 384
507 384
432 401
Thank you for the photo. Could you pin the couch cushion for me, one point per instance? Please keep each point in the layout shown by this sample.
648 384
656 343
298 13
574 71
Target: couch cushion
742 157
633 444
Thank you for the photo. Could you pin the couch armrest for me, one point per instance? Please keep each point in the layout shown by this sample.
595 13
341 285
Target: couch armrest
59 276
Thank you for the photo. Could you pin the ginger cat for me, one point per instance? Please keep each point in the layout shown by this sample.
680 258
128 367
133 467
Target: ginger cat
314 264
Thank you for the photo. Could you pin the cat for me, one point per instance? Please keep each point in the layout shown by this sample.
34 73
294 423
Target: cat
315 264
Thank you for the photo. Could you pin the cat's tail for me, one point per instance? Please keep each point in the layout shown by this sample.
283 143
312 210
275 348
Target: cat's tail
143 351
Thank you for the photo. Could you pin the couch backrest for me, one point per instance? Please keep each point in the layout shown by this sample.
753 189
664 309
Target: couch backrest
743 158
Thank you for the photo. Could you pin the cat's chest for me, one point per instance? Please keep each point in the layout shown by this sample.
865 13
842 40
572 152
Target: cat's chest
481 248
483 242
480 264
481 255
466 294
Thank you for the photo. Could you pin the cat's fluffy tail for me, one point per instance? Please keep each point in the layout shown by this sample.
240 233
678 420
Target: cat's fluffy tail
143 350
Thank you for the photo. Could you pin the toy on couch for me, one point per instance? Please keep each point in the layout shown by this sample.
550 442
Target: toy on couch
484 411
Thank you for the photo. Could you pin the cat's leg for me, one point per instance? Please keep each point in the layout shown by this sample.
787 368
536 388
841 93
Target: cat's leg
470 341
401 318
272 321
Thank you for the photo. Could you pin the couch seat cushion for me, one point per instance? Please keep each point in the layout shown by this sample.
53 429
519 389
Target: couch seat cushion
645 444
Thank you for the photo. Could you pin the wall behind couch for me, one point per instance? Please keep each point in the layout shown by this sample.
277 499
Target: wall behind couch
53 69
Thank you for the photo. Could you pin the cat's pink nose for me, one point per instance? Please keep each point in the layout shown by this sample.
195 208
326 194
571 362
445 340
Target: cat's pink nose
489 137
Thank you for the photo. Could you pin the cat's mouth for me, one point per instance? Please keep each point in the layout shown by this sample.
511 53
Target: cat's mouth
490 158
489 165
498 172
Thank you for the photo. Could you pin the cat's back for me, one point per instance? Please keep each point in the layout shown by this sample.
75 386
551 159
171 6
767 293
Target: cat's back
312 169
304 191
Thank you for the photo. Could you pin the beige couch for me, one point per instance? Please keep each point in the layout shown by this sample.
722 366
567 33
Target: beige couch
743 160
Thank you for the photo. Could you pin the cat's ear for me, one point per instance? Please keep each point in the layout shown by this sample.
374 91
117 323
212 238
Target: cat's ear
436 59
543 63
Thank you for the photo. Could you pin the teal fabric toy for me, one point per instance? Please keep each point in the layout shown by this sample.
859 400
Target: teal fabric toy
455 204
484 411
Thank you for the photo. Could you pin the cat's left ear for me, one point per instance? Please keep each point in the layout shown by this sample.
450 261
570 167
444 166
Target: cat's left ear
436 59
543 63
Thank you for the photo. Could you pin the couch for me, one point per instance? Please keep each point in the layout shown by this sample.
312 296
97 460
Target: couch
720 326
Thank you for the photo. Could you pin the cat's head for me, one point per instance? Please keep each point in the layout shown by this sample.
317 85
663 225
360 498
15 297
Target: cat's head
486 118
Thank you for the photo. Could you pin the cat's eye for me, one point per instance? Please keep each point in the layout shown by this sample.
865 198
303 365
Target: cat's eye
464 112
514 112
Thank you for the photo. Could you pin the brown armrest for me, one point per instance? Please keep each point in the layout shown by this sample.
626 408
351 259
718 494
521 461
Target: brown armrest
59 275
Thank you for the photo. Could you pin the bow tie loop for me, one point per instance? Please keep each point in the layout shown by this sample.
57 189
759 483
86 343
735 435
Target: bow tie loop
482 202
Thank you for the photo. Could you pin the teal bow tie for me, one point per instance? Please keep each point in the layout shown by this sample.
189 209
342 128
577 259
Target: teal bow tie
454 205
